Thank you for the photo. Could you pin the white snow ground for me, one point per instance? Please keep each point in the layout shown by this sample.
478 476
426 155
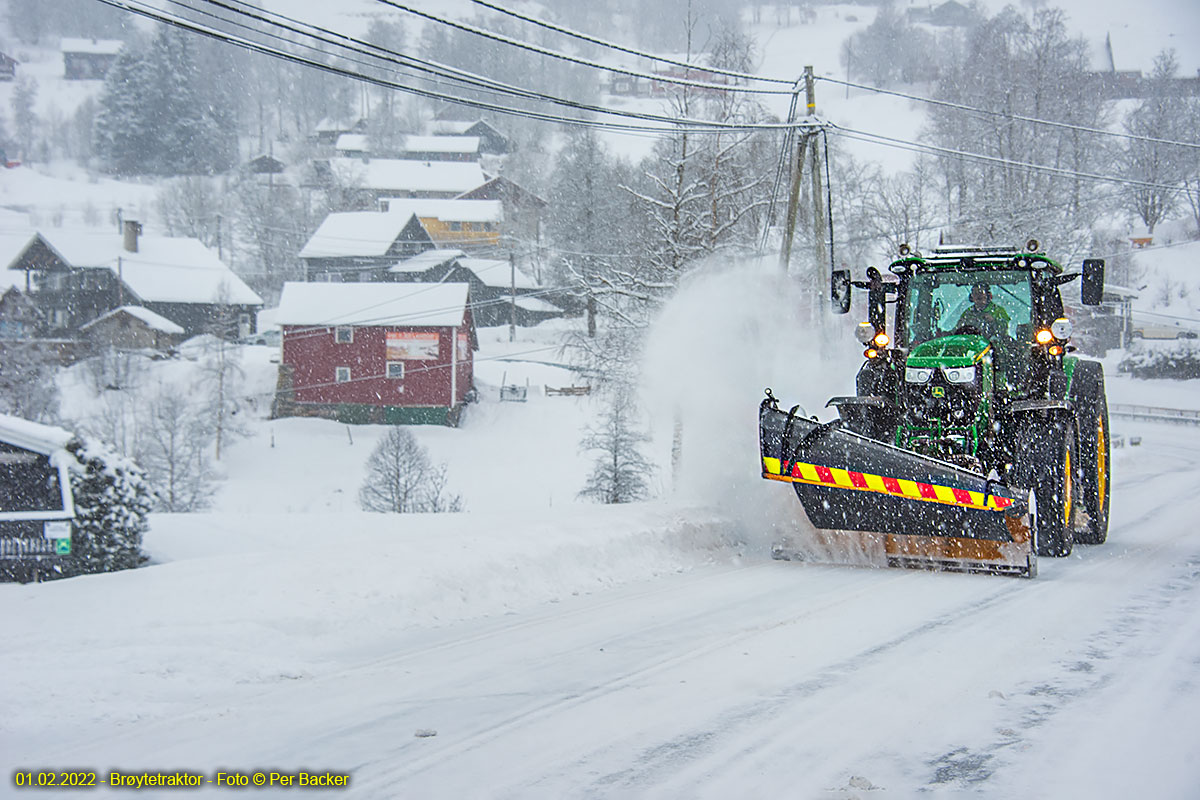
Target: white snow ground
559 649
536 646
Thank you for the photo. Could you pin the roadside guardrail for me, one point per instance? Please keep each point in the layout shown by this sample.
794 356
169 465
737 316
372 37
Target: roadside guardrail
1179 416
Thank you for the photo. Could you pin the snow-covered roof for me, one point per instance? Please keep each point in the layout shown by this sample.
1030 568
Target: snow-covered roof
331 124
164 269
536 304
352 142
355 233
451 127
44 439
373 304
107 47
495 272
441 144
155 321
407 175
427 260
446 210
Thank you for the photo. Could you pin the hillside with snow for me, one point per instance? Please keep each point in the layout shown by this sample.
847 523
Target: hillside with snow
538 644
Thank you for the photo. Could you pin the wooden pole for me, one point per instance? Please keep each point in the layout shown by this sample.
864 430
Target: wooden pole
789 227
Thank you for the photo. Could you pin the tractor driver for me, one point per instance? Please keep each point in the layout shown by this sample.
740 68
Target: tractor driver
984 314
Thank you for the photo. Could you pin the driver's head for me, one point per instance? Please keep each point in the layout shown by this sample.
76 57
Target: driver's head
981 295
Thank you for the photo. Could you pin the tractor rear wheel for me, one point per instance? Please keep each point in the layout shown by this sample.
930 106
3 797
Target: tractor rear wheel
1087 394
1046 463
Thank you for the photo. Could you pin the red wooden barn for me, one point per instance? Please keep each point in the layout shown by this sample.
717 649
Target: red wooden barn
396 353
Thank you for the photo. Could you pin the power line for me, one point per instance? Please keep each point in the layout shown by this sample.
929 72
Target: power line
904 144
1006 115
701 127
486 34
442 70
621 48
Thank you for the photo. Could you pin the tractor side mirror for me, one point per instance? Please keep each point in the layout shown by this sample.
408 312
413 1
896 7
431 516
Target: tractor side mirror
876 300
1092 290
839 291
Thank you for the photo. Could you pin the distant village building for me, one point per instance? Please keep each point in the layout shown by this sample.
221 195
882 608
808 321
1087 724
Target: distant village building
329 129
36 503
522 208
352 145
265 165
364 181
8 67
947 15
89 59
465 224
19 316
441 148
360 246
393 353
75 278
500 292
491 140
133 328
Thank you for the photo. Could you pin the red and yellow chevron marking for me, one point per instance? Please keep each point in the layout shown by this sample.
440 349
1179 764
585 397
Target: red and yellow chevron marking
866 482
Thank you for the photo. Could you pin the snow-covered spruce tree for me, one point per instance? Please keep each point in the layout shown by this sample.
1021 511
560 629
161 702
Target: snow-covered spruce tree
24 117
112 499
401 480
159 113
621 474
122 139
27 387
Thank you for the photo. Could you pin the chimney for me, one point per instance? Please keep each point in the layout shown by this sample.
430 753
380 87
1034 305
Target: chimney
132 230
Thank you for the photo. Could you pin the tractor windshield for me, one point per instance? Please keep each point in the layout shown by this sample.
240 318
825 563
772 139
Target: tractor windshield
993 304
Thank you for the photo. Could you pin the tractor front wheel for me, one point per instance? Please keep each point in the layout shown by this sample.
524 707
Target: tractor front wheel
1087 394
1046 463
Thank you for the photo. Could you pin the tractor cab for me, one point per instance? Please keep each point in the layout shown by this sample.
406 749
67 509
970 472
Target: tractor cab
973 331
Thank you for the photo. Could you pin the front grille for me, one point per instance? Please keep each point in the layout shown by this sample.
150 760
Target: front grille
957 406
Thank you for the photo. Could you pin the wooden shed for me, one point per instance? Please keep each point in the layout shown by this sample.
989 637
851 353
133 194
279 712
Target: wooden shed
396 353
133 328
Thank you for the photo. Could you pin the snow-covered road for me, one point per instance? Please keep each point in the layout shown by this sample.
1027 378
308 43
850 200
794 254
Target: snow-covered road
718 676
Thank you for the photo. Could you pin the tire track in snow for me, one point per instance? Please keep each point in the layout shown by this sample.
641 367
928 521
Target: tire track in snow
957 765
539 711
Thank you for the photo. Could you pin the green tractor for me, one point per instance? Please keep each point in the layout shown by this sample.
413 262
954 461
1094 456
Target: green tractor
974 441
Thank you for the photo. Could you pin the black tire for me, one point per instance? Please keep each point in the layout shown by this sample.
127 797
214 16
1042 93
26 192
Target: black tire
1095 467
1045 463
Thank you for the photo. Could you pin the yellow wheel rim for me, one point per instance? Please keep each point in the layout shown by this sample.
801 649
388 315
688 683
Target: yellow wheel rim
1101 465
1067 492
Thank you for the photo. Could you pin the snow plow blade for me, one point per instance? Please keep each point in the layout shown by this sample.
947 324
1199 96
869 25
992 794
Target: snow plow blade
920 511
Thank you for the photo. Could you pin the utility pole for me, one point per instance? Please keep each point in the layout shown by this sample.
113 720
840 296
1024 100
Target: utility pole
785 254
512 308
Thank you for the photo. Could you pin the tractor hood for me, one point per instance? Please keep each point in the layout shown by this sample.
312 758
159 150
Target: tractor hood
950 351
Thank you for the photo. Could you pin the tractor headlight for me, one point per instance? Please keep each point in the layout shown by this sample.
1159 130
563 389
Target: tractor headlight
959 374
1061 328
917 374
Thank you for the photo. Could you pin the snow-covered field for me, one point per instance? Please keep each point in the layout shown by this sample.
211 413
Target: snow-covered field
539 646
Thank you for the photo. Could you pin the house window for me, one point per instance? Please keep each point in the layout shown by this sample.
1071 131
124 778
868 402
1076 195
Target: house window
365 277
395 370
456 226
343 335
58 318
342 374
